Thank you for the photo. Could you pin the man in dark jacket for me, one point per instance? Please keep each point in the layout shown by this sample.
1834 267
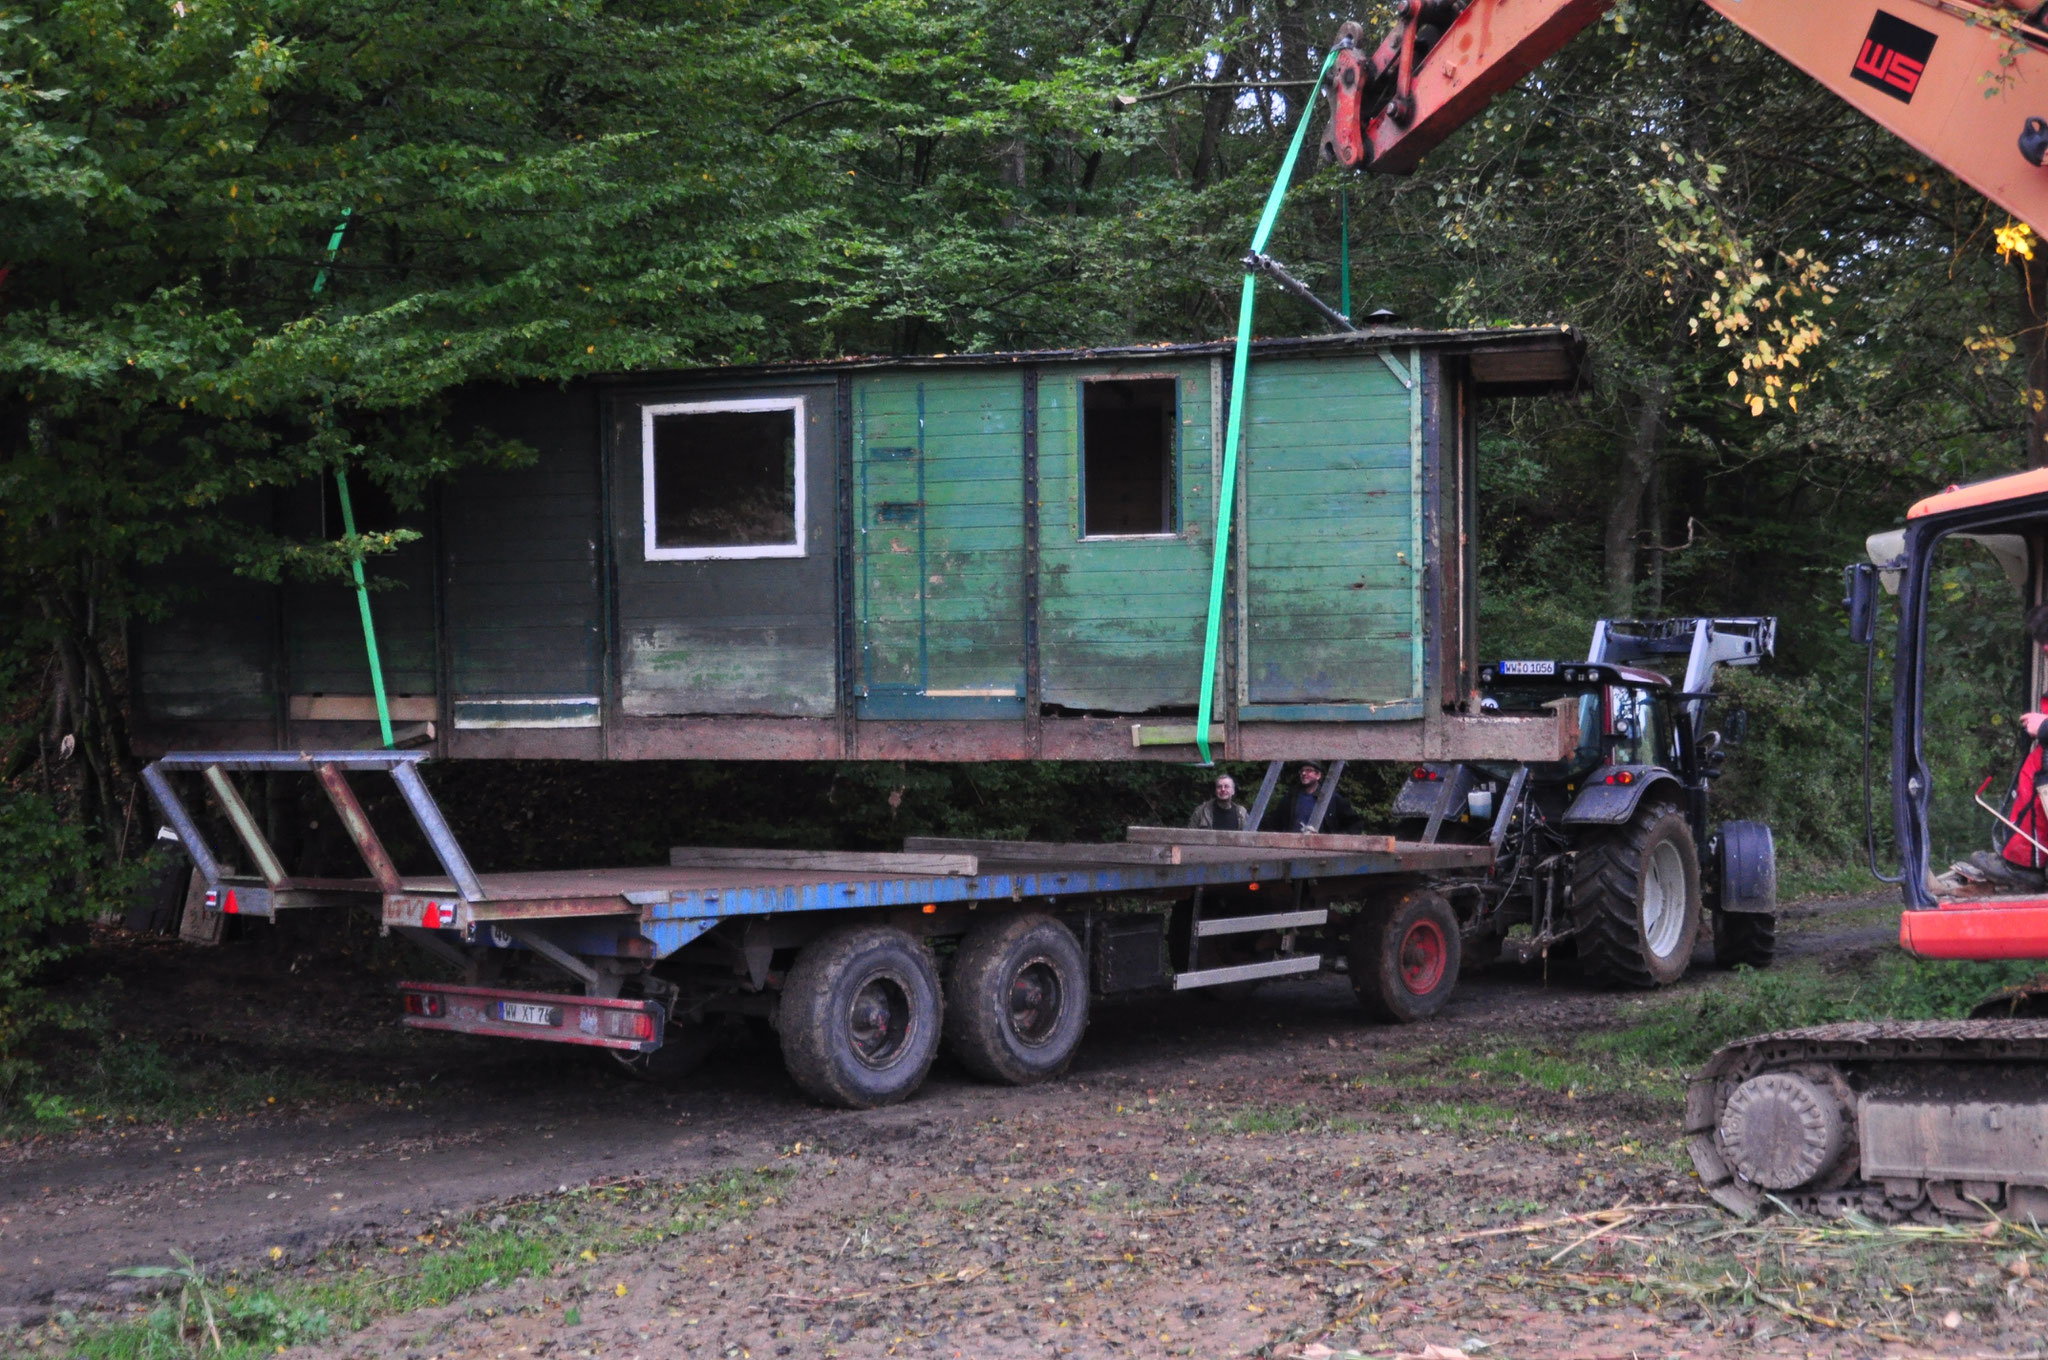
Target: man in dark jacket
1221 813
1340 818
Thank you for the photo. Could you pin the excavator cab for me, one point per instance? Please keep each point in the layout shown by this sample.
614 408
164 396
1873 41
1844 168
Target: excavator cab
2000 524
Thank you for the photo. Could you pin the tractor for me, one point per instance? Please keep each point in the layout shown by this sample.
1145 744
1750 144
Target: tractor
1610 853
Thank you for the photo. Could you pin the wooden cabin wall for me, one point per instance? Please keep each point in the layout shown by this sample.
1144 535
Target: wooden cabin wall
942 506
938 590
1333 547
1121 618
523 562
732 636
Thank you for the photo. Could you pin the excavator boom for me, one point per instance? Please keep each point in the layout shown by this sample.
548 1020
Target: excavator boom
1963 83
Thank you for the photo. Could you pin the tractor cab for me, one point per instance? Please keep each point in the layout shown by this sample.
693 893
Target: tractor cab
1637 728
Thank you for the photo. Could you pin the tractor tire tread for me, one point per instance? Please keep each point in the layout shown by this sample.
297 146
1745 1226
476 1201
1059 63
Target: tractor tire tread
1607 873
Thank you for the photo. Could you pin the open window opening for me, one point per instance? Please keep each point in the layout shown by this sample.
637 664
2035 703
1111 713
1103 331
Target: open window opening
1128 458
723 479
1984 814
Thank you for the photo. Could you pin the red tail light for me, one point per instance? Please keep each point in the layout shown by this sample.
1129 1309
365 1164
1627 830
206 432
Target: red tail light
1424 772
424 1003
629 1024
1621 777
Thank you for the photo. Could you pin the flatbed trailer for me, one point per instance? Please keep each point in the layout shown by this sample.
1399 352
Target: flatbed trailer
863 962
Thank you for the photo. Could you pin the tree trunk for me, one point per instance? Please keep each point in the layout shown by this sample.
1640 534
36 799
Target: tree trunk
2033 280
1625 511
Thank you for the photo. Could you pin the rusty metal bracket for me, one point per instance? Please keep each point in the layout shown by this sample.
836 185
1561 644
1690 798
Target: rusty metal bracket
357 823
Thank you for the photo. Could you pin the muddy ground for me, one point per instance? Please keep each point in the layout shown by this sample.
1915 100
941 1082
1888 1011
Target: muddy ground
1270 1176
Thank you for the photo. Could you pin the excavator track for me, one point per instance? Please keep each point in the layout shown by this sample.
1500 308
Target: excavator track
1929 1120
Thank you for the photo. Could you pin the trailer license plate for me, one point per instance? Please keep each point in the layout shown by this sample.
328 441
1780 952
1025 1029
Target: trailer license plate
529 1013
1528 668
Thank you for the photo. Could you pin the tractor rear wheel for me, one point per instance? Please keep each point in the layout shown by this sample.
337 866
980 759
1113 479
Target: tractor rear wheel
1636 894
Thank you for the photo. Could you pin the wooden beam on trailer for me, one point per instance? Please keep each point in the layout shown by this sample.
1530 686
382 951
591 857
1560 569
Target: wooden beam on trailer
1055 852
1258 840
829 861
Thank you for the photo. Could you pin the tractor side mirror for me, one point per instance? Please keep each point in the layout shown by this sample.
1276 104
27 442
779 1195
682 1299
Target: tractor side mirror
1737 729
1860 599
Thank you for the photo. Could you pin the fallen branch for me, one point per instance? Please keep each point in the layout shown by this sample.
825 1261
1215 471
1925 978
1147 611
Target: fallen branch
967 1276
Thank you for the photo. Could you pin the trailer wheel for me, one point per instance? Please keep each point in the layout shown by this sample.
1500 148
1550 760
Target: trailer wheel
860 1016
1745 938
1018 1000
1636 894
1405 956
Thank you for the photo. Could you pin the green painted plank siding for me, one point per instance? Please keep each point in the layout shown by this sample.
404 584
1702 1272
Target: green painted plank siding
1121 619
939 539
1329 522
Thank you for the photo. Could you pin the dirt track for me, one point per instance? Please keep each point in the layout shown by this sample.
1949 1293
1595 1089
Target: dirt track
1208 1180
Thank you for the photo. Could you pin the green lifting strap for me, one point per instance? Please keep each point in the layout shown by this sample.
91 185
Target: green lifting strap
348 527
1226 494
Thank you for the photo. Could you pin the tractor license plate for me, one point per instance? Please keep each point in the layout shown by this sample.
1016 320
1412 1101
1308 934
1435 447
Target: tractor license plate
1528 668
528 1013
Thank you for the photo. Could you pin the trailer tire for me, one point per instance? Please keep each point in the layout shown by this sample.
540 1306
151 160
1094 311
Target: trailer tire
860 1016
1636 897
1744 939
1405 956
1017 1003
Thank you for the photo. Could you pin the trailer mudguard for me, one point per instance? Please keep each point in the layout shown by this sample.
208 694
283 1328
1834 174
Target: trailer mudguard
1612 793
1745 868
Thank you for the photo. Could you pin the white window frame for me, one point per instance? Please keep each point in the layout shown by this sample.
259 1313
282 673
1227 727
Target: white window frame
653 553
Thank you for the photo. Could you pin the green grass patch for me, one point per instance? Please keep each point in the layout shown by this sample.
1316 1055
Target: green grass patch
130 1080
1806 878
1453 1116
1687 1029
242 1316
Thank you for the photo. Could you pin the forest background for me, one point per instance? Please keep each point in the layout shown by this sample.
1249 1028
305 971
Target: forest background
1797 326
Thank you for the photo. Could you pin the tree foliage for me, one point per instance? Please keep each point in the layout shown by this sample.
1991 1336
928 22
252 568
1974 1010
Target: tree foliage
1798 324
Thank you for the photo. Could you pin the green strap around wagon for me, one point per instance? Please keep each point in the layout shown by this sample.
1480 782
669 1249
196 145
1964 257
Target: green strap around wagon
348 527
1226 494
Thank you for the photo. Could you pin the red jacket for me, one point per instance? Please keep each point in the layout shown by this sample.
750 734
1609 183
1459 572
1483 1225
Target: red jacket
2026 812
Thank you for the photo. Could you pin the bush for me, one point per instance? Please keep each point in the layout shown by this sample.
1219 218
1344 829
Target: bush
53 884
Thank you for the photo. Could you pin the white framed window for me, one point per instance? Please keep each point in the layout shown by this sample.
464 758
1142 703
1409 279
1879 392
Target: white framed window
722 479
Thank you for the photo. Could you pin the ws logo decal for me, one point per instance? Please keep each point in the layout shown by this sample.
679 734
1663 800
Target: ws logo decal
1893 57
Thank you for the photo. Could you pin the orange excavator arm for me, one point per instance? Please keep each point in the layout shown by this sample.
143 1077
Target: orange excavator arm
1964 83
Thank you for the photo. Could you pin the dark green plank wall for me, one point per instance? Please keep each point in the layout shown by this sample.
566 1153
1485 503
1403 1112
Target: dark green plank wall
323 627
522 551
213 657
740 636
1330 506
1121 619
939 561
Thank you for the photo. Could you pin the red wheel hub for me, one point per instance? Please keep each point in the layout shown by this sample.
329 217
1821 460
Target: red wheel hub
1423 955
